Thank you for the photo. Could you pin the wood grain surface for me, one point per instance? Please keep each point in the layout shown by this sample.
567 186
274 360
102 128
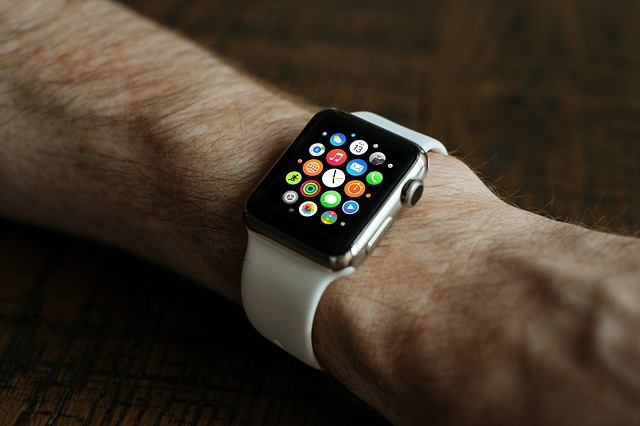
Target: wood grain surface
541 97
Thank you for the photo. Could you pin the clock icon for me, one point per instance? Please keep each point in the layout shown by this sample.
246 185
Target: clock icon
333 178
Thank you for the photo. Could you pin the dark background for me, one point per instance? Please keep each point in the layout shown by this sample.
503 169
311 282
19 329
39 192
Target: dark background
541 97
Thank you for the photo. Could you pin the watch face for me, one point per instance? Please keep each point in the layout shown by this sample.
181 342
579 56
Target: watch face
330 183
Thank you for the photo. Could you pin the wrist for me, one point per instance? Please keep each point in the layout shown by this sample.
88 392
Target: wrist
471 308
393 331
135 137
211 179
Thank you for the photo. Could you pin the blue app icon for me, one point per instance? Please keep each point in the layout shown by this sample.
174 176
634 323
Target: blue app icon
356 167
317 149
337 139
350 207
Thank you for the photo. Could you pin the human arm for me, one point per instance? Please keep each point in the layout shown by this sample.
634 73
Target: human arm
472 311
170 107
136 136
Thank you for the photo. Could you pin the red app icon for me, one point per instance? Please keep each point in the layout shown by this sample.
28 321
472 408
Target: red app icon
335 157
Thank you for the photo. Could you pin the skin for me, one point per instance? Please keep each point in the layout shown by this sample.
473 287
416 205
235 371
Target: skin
470 310
538 329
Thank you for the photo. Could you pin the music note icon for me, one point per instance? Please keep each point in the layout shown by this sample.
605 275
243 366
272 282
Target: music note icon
335 157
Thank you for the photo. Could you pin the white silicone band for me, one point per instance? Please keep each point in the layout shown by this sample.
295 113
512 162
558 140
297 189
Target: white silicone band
280 293
426 142
281 289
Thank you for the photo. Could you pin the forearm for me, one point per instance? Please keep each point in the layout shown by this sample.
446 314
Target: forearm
116 129
475 312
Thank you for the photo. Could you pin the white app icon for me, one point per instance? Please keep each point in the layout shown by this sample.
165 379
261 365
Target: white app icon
316 149
358 147
333 178
308 208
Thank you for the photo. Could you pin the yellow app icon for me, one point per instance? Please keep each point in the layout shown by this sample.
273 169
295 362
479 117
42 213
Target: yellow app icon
293 178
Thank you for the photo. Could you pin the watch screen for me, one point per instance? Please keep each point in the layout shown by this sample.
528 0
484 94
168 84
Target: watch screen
330 182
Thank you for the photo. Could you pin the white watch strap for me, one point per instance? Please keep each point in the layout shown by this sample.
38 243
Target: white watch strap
426 142
280 293
281 289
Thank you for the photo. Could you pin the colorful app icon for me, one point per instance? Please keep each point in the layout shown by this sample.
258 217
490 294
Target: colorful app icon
317 149
329 217
293 178
337 139
312 167
290 197
350 207
354 188
310 188
377 158
358 147
335 157
308 208
333 178
356 167
330 199
374 178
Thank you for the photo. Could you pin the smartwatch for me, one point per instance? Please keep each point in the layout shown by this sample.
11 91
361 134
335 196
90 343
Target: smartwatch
320 210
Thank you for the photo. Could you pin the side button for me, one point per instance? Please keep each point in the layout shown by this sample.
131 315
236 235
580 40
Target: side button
375 239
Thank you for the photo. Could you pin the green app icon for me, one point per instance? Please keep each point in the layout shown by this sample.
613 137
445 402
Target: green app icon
293 178
374 178
330 199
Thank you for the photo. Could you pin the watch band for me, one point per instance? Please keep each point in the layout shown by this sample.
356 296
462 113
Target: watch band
426 142
281 289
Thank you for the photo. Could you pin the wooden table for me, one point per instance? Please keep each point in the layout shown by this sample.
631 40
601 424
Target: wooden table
541 97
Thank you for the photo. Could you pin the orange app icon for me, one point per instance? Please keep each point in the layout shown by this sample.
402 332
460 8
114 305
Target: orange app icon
354 188
312 167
